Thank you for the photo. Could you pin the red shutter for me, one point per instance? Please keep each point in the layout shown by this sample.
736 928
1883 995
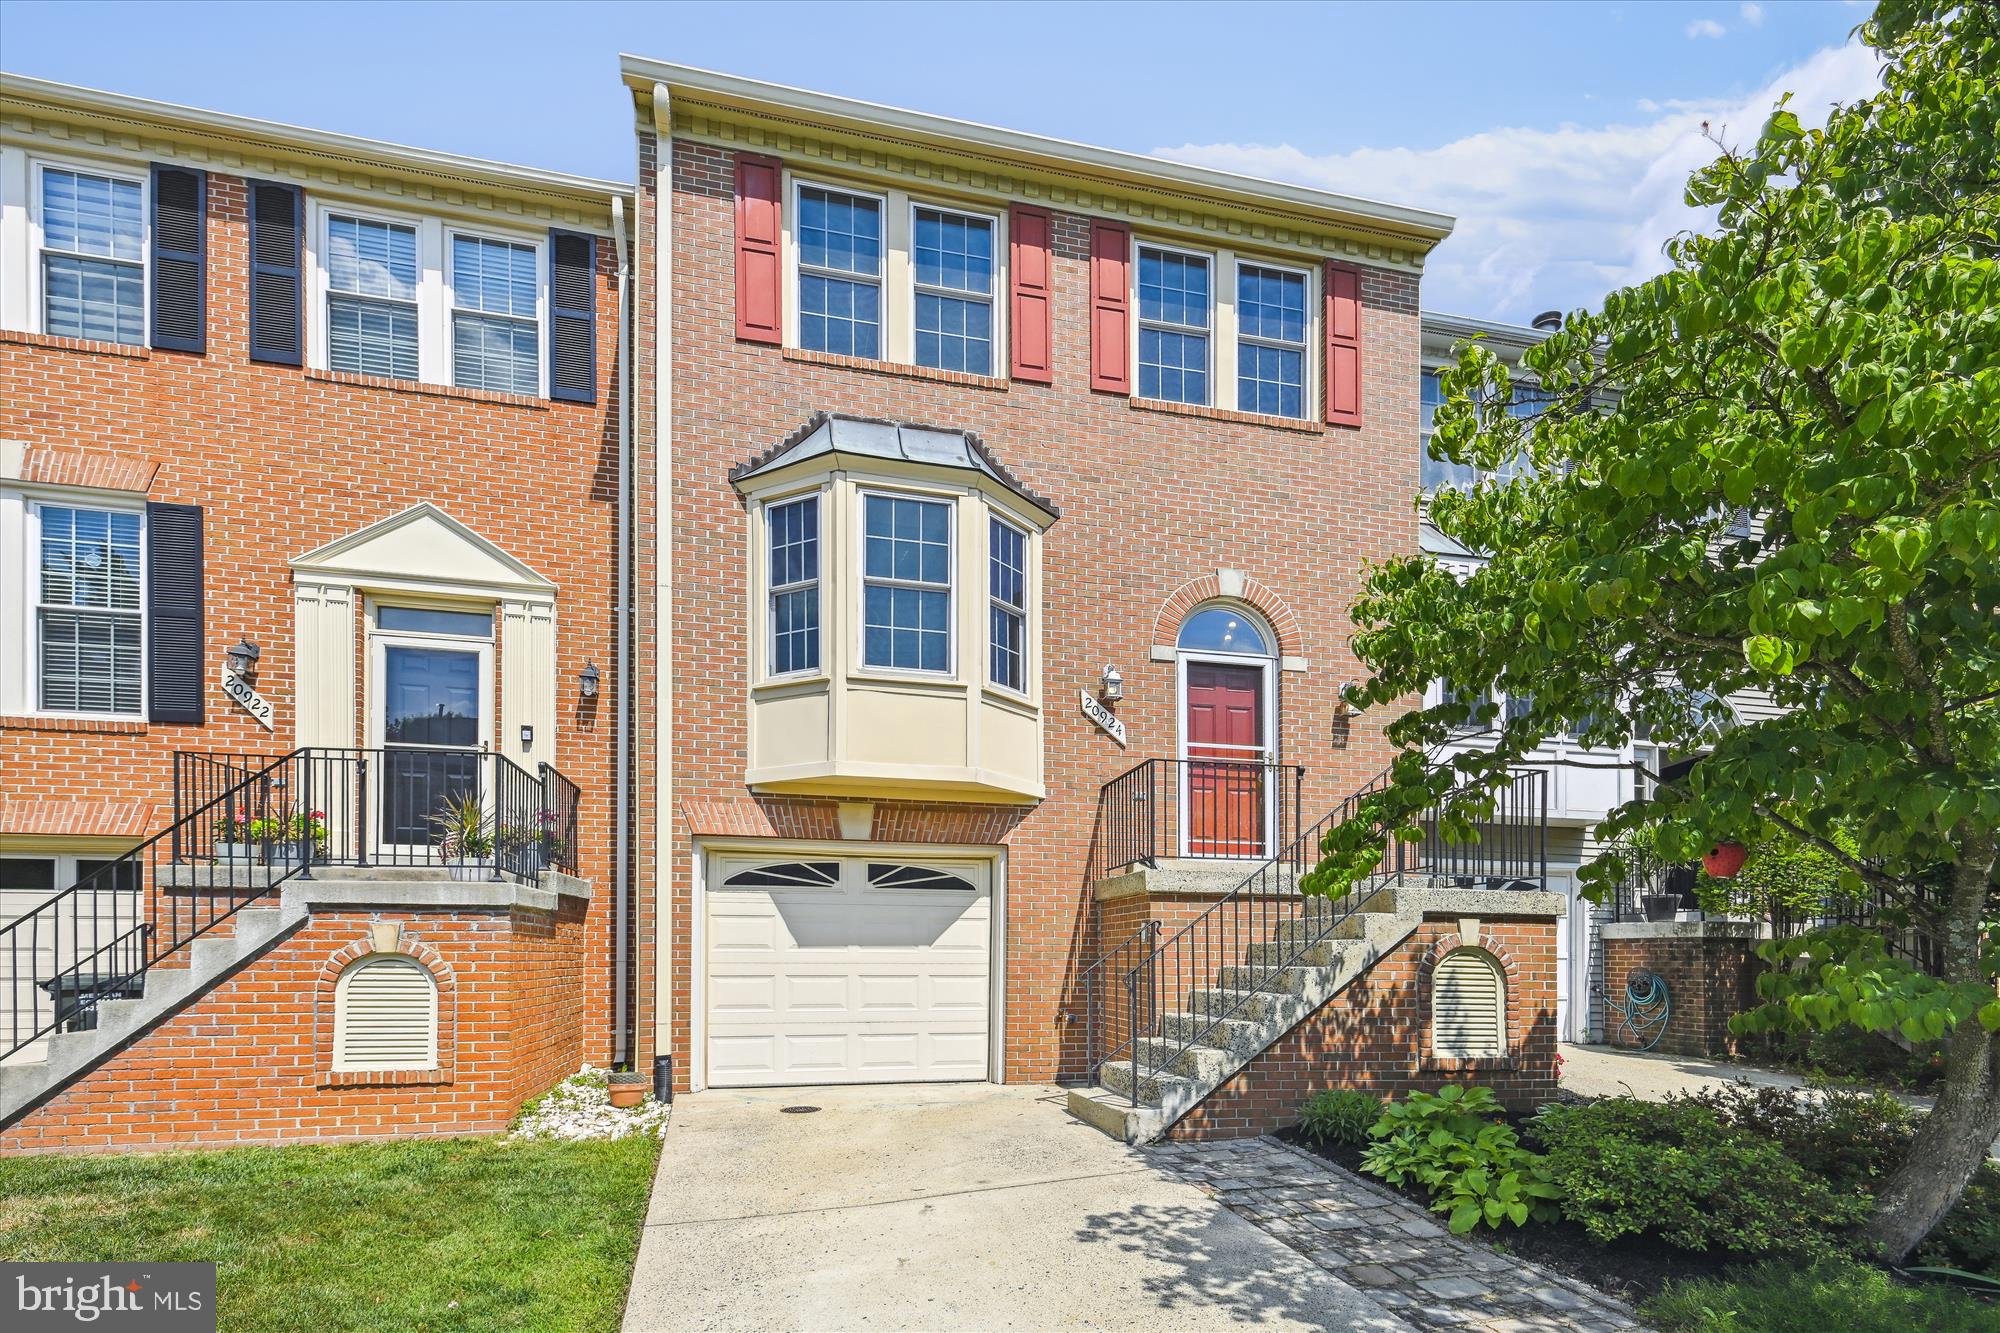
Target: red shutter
1029 262
1110 307
1343 345
759 181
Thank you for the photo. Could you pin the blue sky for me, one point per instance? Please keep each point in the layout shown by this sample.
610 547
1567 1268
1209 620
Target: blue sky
1558 133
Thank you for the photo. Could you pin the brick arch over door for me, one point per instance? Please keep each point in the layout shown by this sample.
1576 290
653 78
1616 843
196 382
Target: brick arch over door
1208 588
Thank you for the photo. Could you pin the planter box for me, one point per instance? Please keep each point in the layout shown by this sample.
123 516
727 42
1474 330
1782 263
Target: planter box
469 871
247 853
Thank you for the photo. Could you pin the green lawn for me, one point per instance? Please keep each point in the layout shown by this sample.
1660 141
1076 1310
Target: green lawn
438 1234
1835 1294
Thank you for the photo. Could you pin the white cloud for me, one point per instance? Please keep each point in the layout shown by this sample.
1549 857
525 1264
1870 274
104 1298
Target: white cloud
1753 15
1553 217
1706 28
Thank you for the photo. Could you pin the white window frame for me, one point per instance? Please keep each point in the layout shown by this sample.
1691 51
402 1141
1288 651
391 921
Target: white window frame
796 268
898 275
772 588
1022 612
917 288
863 582
38 236
1213 333
452 309
436 301
1309 383
21 598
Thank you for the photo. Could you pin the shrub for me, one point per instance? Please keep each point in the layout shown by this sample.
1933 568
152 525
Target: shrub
1832 1294
1677 1170
1475 1169
1850 1139
1969 1235
1339 1115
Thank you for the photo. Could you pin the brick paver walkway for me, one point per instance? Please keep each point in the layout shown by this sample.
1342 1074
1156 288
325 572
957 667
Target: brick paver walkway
1380 1241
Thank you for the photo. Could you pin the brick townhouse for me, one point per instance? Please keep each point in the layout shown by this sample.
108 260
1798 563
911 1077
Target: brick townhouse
1015 493
987 507
308 446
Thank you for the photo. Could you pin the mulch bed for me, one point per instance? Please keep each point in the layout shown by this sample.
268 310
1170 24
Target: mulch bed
1631 1269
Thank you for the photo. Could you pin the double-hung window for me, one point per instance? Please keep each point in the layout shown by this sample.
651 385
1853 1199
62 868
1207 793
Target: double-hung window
89 610
954 275
1173 325
495 338
793 529
1270 340
1437 471
1008 617
371 303
906 583
840 272
93 256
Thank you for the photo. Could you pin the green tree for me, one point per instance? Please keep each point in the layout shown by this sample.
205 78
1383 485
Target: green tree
1822 356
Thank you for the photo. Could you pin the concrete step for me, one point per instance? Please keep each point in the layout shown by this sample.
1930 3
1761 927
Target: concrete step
1284 980
1251 1006
1154 1087
1236 1034
1114 1113
1198 1061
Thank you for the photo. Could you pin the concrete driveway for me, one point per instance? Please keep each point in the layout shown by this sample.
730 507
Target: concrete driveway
968 1206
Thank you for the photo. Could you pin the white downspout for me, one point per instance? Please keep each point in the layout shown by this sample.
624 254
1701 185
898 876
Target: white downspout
663 596
622 1027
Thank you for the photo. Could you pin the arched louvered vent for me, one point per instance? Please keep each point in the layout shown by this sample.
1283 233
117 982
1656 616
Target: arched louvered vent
385 1015
1468 1006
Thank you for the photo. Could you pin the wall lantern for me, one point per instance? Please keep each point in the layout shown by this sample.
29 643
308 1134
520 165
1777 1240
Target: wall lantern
1111 685
242 659
1724 860
586 681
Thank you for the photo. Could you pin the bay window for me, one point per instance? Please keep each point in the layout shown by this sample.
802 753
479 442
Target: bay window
1007 562
906 583
793 529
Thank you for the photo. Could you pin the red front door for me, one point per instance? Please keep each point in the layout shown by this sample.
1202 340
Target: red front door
1225 754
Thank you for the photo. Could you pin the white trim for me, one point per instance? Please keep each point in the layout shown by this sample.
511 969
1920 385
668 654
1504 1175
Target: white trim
37 285
20 598
435 305
1310 360
996 285
704 849
1211 258
949 501
1268 667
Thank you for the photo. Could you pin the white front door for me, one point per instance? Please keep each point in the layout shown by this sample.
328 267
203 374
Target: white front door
1572 961
847 970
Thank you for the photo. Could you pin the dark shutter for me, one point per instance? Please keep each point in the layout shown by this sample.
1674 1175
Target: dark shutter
173 613
180 198
572 317
276 304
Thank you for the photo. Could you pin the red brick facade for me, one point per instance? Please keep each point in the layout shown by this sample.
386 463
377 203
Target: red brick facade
1375 1036
1710 968
251 1061
1154 501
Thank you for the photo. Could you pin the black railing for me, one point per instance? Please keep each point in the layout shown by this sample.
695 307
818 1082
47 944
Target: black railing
1206 809
1194 975
246 824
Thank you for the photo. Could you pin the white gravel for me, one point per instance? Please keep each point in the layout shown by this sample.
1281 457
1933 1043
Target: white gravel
580 1107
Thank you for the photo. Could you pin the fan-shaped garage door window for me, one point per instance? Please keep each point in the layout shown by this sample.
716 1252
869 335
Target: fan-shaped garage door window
787 875
1468 1007
885 876
385 1015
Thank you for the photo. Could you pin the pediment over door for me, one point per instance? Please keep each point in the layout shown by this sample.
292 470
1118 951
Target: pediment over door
424 549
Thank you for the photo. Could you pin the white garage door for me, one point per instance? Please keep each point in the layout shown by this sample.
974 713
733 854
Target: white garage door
847 971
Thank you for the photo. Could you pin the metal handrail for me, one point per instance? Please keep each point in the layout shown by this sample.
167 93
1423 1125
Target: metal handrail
244 825
1247 809
1269 897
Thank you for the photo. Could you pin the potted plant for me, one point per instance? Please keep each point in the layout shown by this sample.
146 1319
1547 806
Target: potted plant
553 846
520 849
1661 906
234 841
627 1087
465 836
283 836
